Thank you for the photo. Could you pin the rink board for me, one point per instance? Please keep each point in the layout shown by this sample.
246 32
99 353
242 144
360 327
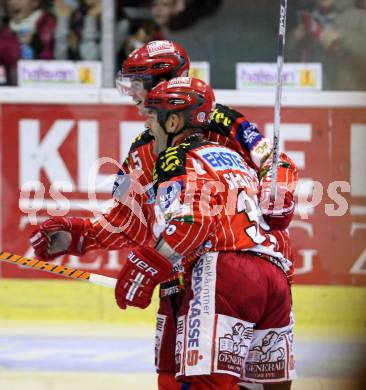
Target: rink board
316 307
52 138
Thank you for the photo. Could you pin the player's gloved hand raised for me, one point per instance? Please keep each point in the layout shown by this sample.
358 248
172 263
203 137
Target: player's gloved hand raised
58 236
277 214
144 269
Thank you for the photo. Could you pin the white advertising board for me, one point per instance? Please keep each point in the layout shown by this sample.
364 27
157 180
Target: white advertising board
263 76
59 73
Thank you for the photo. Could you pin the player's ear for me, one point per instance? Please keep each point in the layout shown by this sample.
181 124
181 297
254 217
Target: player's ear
173 123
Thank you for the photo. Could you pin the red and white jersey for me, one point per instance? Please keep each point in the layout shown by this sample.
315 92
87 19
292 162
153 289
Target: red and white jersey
207 196
231 128
129 220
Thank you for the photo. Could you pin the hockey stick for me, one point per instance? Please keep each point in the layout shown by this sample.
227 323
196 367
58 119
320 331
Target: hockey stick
277 109
72 273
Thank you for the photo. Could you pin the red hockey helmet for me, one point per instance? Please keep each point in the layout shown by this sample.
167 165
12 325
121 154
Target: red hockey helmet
189 95
156 61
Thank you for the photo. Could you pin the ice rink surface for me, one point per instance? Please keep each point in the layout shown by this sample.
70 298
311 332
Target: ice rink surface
101 359
59 335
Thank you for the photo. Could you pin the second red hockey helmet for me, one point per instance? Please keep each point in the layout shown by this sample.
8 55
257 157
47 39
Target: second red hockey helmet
152 63
189 95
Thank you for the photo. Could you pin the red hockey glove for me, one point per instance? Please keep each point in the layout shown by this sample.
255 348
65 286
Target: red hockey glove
278 214
58 236
144 269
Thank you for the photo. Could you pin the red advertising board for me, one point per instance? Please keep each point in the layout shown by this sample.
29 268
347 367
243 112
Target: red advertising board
55 145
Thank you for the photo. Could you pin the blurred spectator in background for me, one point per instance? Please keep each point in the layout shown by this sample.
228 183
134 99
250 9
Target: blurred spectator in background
312 37
222 32
225 32
350 47
137 31
78 32
324 34
27 34
162 11
332 33
145 24
188 12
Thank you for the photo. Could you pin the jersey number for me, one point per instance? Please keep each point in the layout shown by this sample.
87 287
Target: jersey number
136 160
250 207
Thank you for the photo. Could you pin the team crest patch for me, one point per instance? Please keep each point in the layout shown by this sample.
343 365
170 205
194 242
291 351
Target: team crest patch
168 193
201 117
248 135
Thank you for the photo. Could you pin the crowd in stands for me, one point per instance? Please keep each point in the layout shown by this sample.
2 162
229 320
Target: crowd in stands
332 32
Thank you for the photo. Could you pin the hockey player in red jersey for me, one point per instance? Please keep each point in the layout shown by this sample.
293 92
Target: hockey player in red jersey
161 60
235 320
147 66
123 226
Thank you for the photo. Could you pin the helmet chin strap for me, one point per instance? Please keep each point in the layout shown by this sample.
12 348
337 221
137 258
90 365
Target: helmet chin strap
171 136
162 118
170 140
